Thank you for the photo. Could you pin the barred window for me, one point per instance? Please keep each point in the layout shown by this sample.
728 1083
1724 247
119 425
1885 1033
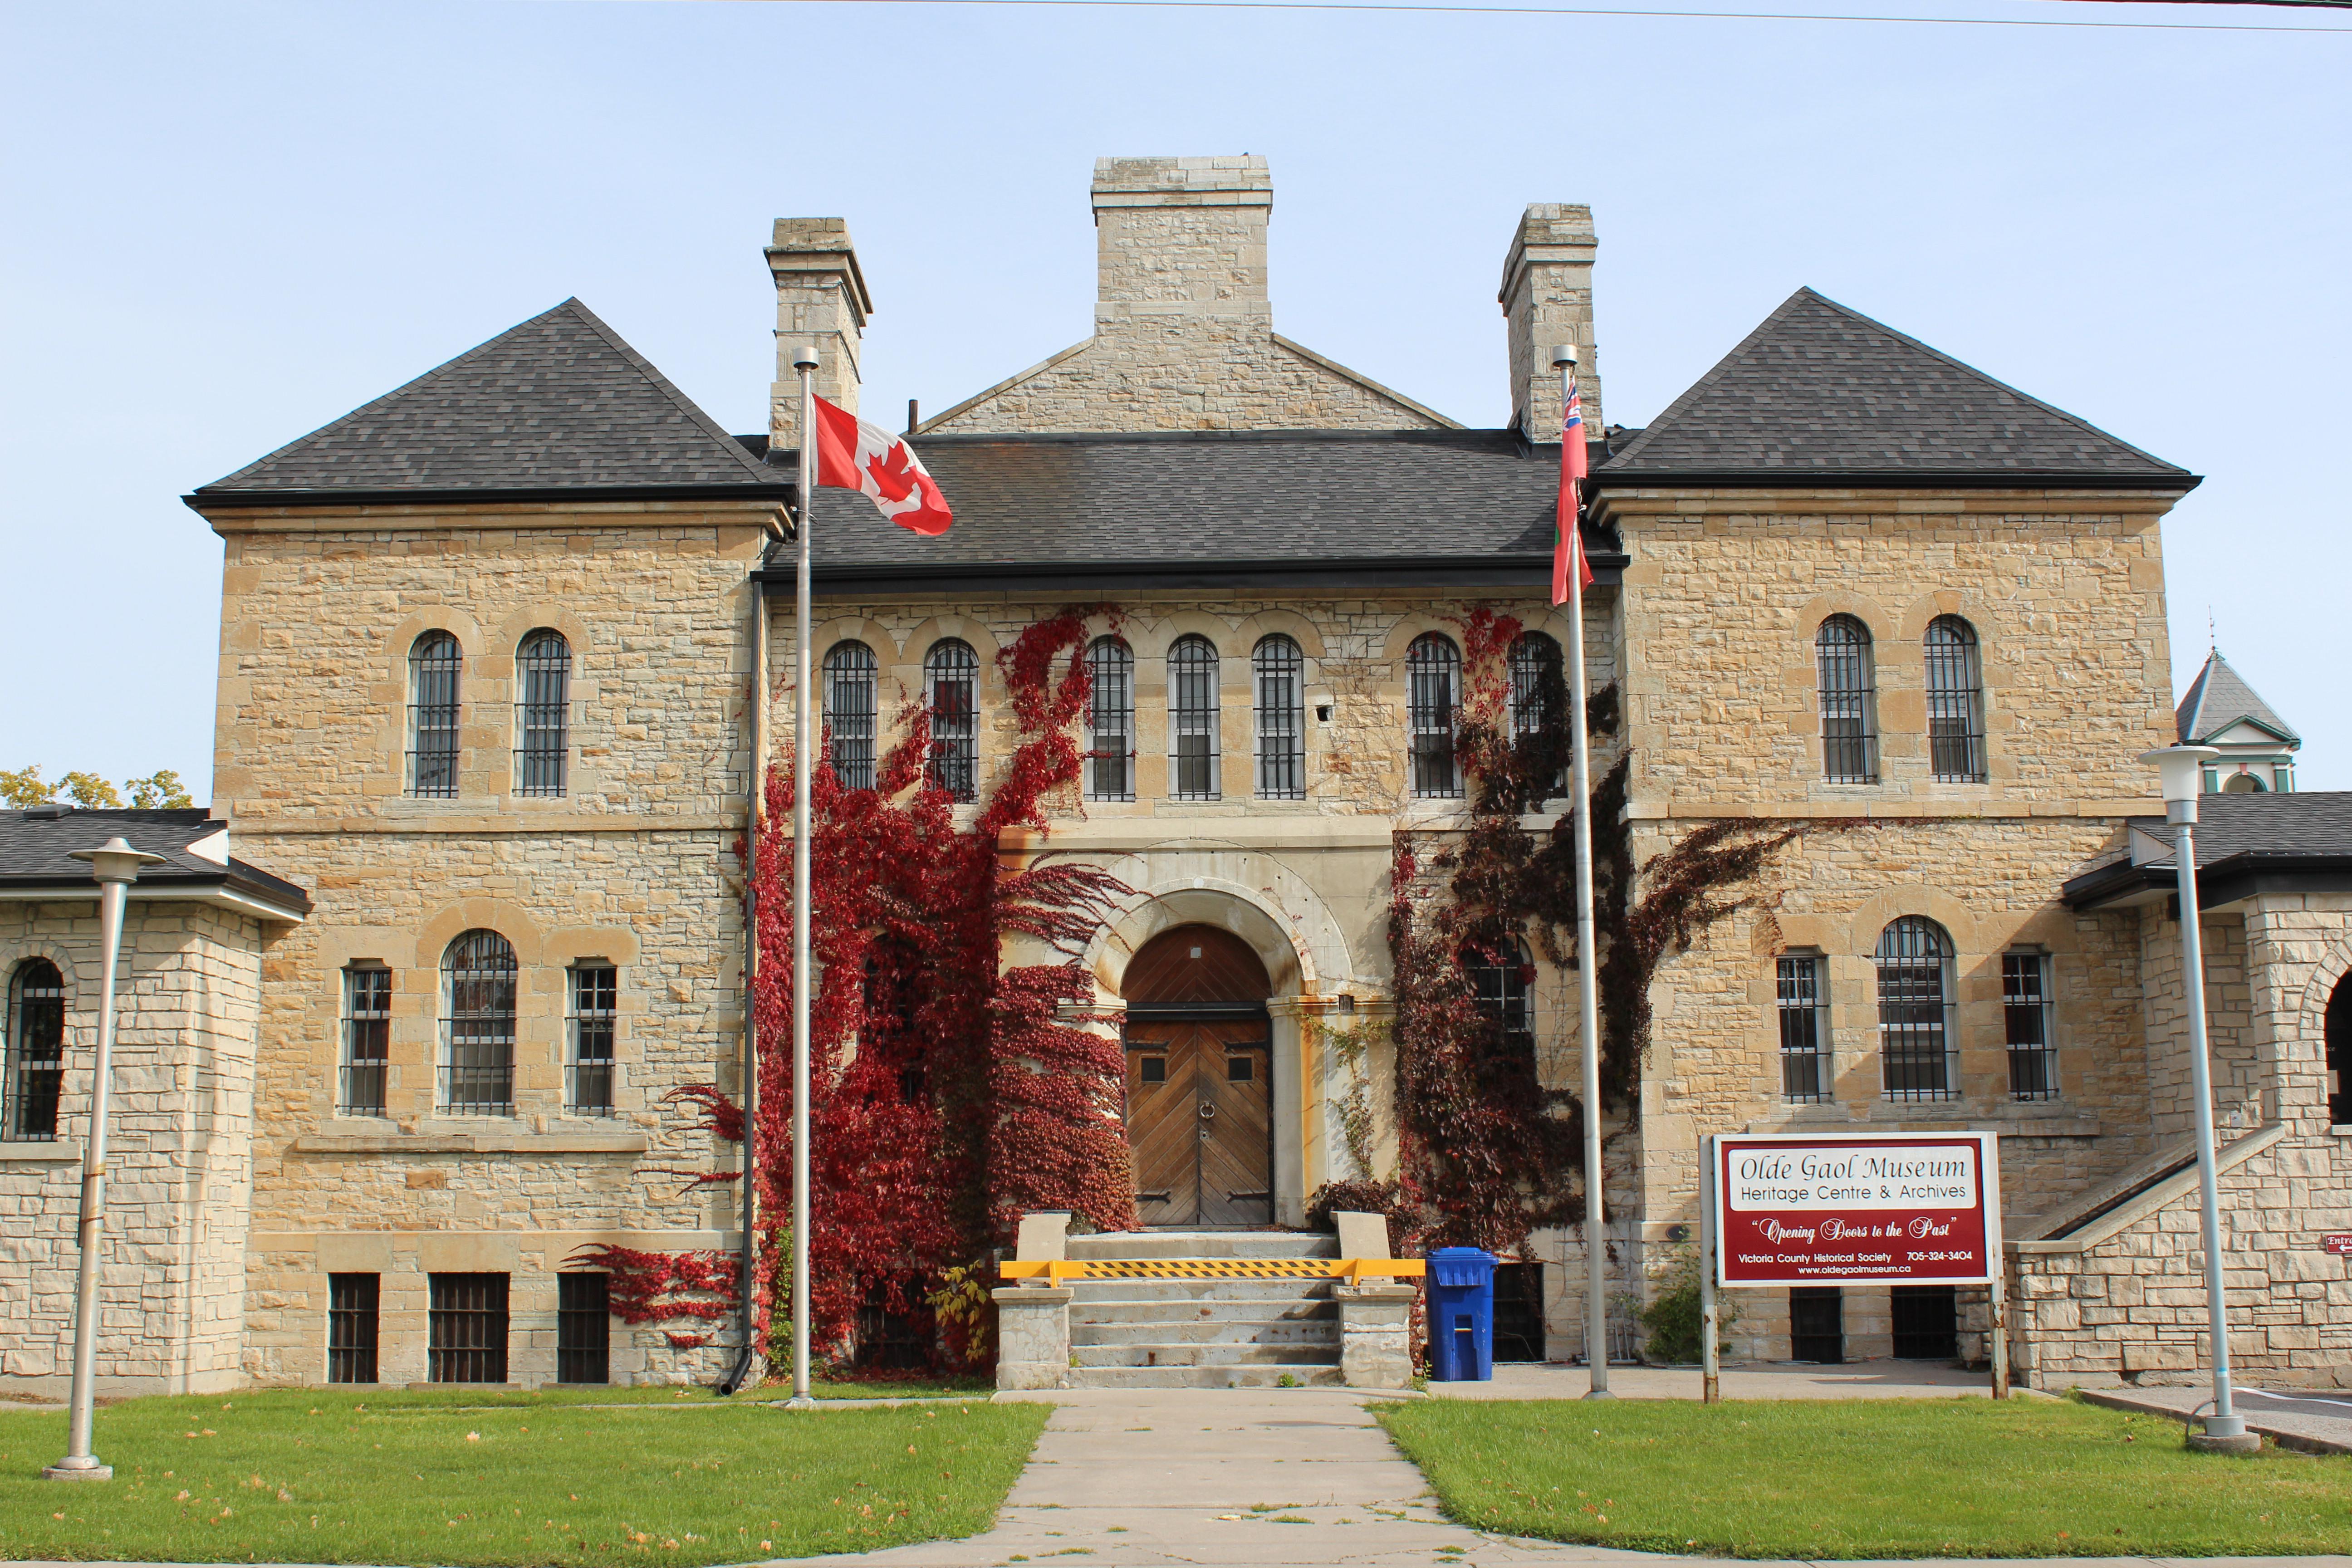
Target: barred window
1433 668
36 1051
1504 984
595 1003
1539 692
1193 750
432 664
543 670
2335 1026
352 1304
2029 1010
367 1039
1110 722
466 1328
584 1327
1805 1076
1278 675
1954 702
478 974
951 693
1849 702
849 712
1917 1046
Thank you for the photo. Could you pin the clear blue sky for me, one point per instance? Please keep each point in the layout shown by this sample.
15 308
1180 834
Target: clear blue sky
229 223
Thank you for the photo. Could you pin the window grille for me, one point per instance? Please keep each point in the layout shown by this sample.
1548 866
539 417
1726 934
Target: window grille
1193 749
1954 702
2029 1010
1927 1319
1849 702
1433 691
432 664
351 1320
1538 689
543 666
466 1331
595 1003
1918 1045
1279 672
1110 722
1805 1077
1816 1323
478 1028
584 1327
367 1039
952 692
850 676
36 1051
1504 987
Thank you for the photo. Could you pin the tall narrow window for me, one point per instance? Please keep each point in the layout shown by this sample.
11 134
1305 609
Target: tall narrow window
352 1315
952 692
367 1039
543 670
588 1076
432 664
1917 1046
1954 702
1849 702
2027 1010
1539 692
36 1051
584 1327
2338 1038
1433 672
1193 750
849 712
1278 680
1805 1075
1504 985
1110 722
466 1328
477 976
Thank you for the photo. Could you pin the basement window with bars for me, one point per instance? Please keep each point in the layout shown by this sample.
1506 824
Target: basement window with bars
543 671
1917 1046
1110 721
2029 1014
1848 701
367 1039
465 1331
351 1320
1195 746
477 1024
584 1327
1954 702
36 1051
434 661
595 1007
1278 675
1803 1006
951 693
1433 672
850 677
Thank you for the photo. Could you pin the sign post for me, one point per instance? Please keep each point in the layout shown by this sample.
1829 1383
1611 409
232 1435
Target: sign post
1710 1346
1817 1209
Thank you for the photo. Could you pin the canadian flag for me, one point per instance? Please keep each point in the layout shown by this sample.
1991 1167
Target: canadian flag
1574 466
852 454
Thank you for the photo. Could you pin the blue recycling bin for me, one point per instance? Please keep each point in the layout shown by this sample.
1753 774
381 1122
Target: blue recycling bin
1461 1315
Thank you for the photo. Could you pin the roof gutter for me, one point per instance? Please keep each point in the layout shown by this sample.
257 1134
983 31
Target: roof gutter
1606 480
199 502
1433 571
218 895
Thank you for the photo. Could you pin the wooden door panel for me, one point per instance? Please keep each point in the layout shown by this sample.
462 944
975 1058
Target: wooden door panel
1160 1127
1201 1139
1237 1159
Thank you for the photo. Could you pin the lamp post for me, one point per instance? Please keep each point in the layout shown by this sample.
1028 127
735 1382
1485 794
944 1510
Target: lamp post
805 363
2181 766
115 866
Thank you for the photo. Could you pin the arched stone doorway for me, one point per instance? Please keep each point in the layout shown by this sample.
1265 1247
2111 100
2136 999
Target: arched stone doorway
1200 1079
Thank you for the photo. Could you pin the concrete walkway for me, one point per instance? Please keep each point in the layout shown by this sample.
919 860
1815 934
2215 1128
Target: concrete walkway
2318 1422
1852 1380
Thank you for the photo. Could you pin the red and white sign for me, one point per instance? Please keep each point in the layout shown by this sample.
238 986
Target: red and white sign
2338 1246
1826 1208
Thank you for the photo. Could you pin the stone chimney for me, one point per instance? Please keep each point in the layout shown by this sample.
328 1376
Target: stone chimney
1548 299
1180 243
821 299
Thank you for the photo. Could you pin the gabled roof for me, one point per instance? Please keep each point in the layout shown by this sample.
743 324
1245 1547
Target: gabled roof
1822 393
2246 844
2220 698
559 404
37 846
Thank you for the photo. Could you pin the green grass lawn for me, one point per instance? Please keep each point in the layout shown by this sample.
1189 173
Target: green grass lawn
1876 1478
309 1476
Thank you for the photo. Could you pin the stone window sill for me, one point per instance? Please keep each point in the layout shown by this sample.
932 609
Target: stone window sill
582 1142
68 1152
2342 1130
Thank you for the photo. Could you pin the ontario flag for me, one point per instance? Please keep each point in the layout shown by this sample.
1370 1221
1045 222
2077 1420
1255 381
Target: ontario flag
1572 468
852 454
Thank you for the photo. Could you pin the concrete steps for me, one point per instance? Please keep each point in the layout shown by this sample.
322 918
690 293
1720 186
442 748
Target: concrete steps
1206 1377
1203 1333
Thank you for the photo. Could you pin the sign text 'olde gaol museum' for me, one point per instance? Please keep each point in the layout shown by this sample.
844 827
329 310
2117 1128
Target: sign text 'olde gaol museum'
1189 859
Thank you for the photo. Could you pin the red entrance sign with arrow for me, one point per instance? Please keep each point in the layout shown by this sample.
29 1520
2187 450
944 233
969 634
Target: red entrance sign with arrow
1827 1208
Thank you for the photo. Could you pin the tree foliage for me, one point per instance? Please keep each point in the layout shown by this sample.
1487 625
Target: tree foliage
158 791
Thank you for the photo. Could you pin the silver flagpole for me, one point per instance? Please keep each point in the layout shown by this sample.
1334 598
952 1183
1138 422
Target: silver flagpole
804 770
1596 1261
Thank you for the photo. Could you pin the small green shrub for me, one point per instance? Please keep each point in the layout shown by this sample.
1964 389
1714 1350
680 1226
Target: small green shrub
1672 1315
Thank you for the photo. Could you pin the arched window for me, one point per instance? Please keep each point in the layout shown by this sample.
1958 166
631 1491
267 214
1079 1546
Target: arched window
36 1050
478 1026
1539 692
1505 986
1918 1047
1194 755
1433 673
2241 783
543 671
2339 1053
1110 722
1279 678
952 692
849 709
433 663
1849 702
1954 702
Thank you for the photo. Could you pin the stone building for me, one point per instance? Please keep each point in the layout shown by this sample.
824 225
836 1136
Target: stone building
490 666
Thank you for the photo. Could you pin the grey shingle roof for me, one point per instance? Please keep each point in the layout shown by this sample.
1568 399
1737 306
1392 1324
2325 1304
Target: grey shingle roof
2218 698
37 851
1820 391
2313 824
558 403
2246 844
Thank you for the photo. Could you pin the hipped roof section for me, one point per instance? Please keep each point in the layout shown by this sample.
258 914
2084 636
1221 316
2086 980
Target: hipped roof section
2220 698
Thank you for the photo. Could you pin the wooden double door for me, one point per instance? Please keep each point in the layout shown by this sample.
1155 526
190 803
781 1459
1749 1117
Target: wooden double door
1200 1122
